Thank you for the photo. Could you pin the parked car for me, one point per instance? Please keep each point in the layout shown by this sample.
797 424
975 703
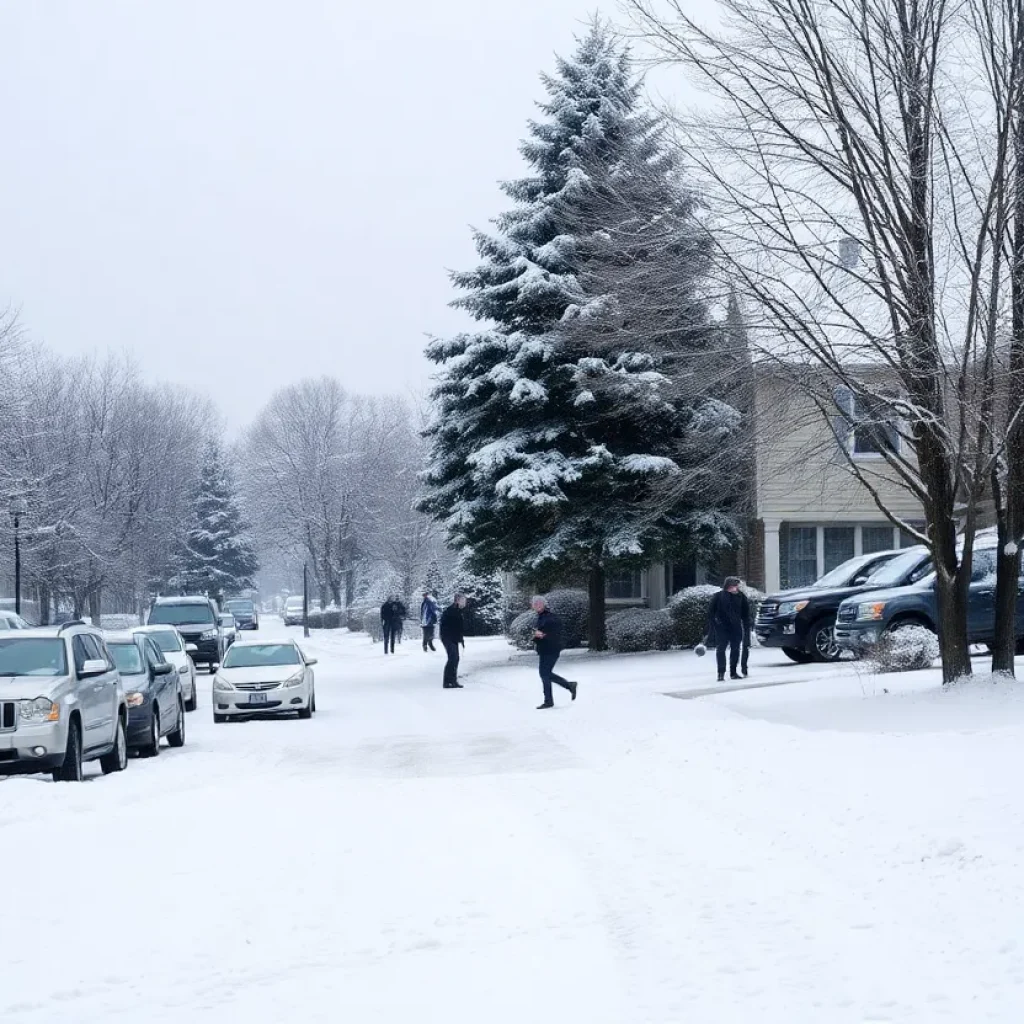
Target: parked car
152 687
292 613
246 614
173 647
802 621
61 702
865 618
196 619
259 678
11 620
228 627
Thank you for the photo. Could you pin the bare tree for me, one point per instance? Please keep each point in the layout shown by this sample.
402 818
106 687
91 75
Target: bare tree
857 201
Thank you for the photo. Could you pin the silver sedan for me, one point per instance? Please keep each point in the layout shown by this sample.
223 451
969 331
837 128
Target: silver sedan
264 678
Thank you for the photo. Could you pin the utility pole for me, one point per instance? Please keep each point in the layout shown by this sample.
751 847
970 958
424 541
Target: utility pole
17 563
305 600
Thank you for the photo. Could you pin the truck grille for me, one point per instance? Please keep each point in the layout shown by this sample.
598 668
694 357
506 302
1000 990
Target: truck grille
766 614
8 716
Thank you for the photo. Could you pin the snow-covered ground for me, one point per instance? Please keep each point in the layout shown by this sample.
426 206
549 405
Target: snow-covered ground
818 851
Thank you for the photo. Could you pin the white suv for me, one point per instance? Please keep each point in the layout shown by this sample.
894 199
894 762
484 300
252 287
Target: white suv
61 703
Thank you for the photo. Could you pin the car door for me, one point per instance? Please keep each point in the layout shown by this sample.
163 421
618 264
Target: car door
162 684
105 689
981 597
89 690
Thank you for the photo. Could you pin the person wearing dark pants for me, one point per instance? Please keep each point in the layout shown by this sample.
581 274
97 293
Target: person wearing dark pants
453 636
428 620
547 637
729 623
390 622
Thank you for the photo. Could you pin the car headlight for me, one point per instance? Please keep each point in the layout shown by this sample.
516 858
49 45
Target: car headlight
295 680
42 709
135 699
220 683
870 611
208 634
792 607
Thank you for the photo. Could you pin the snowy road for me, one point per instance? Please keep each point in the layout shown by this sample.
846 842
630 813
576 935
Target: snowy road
803 854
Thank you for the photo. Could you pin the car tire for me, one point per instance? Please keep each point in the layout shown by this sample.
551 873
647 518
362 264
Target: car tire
177 737
821 641
117 759
219 719
152 748
193 703
71 769
795 654
306 713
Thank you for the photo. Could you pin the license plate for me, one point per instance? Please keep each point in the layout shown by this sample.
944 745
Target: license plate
257 698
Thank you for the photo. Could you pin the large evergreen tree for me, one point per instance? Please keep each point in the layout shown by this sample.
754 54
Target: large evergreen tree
217 557
569 431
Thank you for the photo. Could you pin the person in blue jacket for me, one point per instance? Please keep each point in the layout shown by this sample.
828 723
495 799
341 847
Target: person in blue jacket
547 638
428 620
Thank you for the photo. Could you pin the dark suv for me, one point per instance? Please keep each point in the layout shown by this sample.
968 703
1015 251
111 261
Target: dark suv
865 618
245 612
197 620
802 622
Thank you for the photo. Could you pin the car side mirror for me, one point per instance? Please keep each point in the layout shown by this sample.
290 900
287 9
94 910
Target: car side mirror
191 649
163 670
93 667
311 661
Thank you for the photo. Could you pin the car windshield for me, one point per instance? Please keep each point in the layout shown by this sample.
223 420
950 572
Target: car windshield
181 615
166 639
895 572
293 602
228 620
245 607
32 656
259 655
8 620
841 575
127 658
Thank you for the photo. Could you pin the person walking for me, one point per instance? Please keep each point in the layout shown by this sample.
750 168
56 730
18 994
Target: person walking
547 638
729 624
452 629
428 620
390 623
398 621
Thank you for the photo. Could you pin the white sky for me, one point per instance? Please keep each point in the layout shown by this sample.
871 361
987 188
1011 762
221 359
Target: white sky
244 192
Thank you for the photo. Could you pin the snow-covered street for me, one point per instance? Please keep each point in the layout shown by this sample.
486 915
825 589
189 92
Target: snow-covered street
818 852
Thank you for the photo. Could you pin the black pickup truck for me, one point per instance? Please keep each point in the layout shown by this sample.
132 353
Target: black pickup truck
802 622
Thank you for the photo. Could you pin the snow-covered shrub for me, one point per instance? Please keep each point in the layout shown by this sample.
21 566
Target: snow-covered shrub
520 631
573 608
354 615
905 649
371 624
316 618
688 610
484 601
639 629
332 617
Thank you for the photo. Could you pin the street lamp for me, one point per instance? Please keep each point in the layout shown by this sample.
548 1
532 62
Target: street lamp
17 511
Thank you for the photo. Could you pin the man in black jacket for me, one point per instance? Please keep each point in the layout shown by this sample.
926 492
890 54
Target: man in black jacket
547 637
391 614
453 636
729 623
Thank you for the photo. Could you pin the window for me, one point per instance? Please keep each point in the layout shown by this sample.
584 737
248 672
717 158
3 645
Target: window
127 659
94 649
181 615
624 585
801 560
907 539
840 543
873 428
876 538
80 654
983 566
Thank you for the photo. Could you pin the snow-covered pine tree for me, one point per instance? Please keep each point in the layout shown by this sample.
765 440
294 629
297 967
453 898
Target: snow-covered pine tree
485 606
217 557
559 436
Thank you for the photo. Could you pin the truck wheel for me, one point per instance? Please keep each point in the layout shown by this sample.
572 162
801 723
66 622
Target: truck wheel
117 759
821 642
795 654
71 769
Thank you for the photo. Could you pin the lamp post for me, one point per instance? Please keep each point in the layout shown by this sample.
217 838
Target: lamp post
305 600
16 513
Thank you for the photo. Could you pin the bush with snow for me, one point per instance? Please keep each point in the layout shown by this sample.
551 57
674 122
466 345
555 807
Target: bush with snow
355 614
332 617
639 629
315 618
905 649
371 624
520 631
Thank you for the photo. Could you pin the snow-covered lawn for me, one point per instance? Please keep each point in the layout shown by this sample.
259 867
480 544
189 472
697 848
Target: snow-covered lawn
816 852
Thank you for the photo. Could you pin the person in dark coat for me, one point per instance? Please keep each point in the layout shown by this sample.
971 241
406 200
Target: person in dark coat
453 636
547 638
428 620
392 611
729 624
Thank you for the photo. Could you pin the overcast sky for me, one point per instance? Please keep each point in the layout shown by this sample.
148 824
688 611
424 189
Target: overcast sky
245 192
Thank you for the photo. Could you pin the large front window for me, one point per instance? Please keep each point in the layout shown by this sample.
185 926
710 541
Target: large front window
168 640
261 655
32 656
625 585
809 551
181 615
127 658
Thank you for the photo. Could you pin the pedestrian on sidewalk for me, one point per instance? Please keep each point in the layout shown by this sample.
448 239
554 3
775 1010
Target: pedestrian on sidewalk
729 624
390 622
400 612
428 620
547 638
453 636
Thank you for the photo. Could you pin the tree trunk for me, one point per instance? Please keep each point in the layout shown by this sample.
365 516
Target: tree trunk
596 628
951 594
44 605
96 605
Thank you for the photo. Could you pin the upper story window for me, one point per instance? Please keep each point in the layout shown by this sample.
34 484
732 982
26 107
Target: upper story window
867 427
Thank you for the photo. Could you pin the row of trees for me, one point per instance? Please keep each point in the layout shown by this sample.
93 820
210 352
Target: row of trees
593 422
